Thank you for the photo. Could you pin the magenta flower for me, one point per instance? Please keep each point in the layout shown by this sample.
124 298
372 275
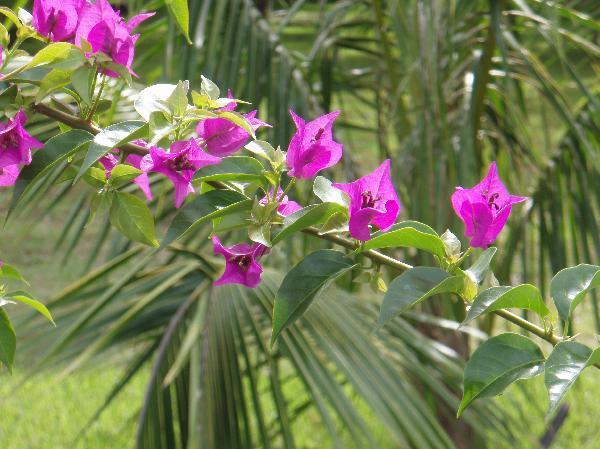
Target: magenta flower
286 206
16 143
108 33
222 137
484 208
179 165
9 175
109 161
312 148
57 19
241 263
373 200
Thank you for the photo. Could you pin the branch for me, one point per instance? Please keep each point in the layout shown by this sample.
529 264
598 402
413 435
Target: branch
375 256
79 123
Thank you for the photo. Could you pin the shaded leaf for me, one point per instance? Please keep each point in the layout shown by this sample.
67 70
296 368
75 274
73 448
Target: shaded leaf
25 298
478 270
416 285
569 286
55 150
408 234
564 365
303 283
9 272
112 137
130 215
233 168
524 296
8 341
211 205
306 217
497 363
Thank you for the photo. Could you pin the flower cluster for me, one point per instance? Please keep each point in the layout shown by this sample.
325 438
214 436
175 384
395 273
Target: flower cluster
372 199
89 25
373 202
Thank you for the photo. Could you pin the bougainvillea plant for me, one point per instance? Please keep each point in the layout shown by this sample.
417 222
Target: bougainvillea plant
207 149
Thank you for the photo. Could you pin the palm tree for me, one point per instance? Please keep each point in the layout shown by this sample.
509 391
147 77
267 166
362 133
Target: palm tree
442 88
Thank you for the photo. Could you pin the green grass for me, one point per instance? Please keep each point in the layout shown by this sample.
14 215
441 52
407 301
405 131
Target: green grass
48 412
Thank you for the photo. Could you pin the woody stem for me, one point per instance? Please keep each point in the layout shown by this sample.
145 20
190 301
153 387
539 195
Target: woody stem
375 256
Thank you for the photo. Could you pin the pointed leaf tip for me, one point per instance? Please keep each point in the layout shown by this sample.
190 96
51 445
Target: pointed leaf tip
302 285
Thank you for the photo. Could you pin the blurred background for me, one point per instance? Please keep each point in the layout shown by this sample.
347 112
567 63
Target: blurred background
147 354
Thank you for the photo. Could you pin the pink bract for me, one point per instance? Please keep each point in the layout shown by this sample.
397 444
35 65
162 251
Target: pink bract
312 147
484 208
373 200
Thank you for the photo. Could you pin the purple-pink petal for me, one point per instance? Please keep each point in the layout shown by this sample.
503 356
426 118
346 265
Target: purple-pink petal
9 175
373 201
57 19
107 32
179 165
484 208
223 138
312 147
16 143
241 263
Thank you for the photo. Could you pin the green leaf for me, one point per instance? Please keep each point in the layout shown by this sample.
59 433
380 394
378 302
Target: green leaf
306 217
211 205
55 52
416 285
56 150
260 234
563 367
122 174
208 88
112 137
261 148
81 80
497 363
233 168
324 190
179 11
524 296
159 128
55 79
178 100
9 13
9 272
8 97
337 222
153 99
408 234
8 341
96 177
570 285
131 216
25 298
303 283
478 270
4 36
